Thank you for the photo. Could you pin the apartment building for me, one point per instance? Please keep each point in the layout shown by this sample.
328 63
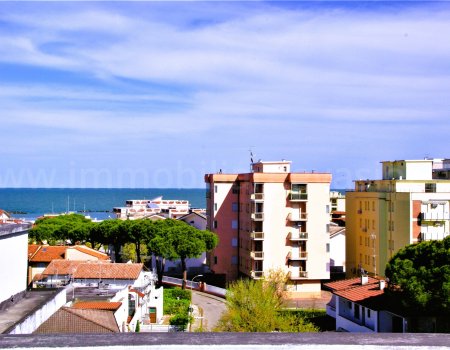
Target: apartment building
408 205
270 219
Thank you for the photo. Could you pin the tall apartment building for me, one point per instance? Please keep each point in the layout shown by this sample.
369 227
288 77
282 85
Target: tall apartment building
408 205
268 219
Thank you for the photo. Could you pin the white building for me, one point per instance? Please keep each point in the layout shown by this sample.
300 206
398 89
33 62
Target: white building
269 219
141 208
13 260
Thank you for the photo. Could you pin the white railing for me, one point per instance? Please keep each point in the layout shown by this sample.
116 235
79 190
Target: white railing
258 216
257 235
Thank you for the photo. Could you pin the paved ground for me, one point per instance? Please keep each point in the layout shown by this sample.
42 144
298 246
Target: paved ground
210 307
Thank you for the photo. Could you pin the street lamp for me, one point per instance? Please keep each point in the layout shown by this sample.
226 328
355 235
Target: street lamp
190 306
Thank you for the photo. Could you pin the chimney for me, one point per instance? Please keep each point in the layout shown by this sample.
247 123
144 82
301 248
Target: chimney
364 280
382 284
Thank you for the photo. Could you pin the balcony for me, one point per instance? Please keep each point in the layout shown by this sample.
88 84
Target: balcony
298 196
299 255
298 216
257 197
257 275
298 236
257 236
437 216
258 216
297 275
257 255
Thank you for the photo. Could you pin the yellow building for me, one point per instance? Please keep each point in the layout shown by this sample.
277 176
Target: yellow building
270 219
406 206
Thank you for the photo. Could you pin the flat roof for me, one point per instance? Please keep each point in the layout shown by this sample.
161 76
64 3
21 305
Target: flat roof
25 305
247 341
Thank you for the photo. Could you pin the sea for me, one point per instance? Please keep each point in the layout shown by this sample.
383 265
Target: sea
98 203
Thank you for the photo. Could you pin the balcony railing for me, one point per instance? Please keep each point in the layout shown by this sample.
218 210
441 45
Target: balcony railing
298 216
257 236
257 255
258 216
257 197
298 236
435 216
257 274
301 255
297 275
298 196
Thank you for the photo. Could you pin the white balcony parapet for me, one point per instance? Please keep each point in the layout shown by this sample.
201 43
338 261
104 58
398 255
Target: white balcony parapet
298 216
298 236
297 255
257 274
257 197
258 216
297 275
257 235
257 255
298 196
437 216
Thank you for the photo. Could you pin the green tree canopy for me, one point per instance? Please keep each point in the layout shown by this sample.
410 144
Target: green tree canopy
60 228
419 276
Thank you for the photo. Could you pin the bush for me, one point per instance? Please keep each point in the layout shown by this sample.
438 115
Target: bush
182 294
179 320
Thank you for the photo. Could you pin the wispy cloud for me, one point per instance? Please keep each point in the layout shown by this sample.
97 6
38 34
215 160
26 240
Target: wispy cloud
230 74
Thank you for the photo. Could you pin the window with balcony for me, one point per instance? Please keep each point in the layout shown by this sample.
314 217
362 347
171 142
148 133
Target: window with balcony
299 192
430 187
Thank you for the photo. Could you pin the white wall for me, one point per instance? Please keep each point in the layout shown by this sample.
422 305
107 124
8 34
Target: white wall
13 263
33 321
337 250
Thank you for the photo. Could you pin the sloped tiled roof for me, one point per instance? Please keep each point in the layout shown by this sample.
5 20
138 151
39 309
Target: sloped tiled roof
90 251
45 253
109 271
98 305
70 320
369 295
348 283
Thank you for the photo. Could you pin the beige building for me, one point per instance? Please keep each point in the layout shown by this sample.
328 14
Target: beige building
269 219
406 206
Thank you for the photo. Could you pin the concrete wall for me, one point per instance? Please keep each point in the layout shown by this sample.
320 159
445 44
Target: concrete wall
13 260
33 321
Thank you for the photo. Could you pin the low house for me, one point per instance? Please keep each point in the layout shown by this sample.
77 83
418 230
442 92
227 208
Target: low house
360 305
127 284
40 256
72 320
4 216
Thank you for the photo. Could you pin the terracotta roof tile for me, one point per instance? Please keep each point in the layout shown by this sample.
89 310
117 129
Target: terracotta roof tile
69 320
46 253
349 283
62 267
98 305
89 251
109 271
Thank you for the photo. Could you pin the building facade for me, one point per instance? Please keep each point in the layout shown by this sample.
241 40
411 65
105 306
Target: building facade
271 219
408 205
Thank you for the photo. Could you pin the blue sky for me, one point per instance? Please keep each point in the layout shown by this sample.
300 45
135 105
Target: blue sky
156 94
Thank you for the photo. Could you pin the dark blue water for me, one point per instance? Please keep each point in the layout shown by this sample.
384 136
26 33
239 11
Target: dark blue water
30 203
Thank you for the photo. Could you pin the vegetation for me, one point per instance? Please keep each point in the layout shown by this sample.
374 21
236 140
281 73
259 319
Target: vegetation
257 306
165 239
177 303
419 276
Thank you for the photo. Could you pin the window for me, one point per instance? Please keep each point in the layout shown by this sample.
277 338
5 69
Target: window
215 188
234 224
215 206
234 260
235 189
373 224
234 207
215 224
215 260
430 187
327 209
234 242
327 228
356 312
360 240
368 313
328 247
373 206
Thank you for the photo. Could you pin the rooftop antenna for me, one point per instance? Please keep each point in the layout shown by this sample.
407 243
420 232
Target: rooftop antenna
251 158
